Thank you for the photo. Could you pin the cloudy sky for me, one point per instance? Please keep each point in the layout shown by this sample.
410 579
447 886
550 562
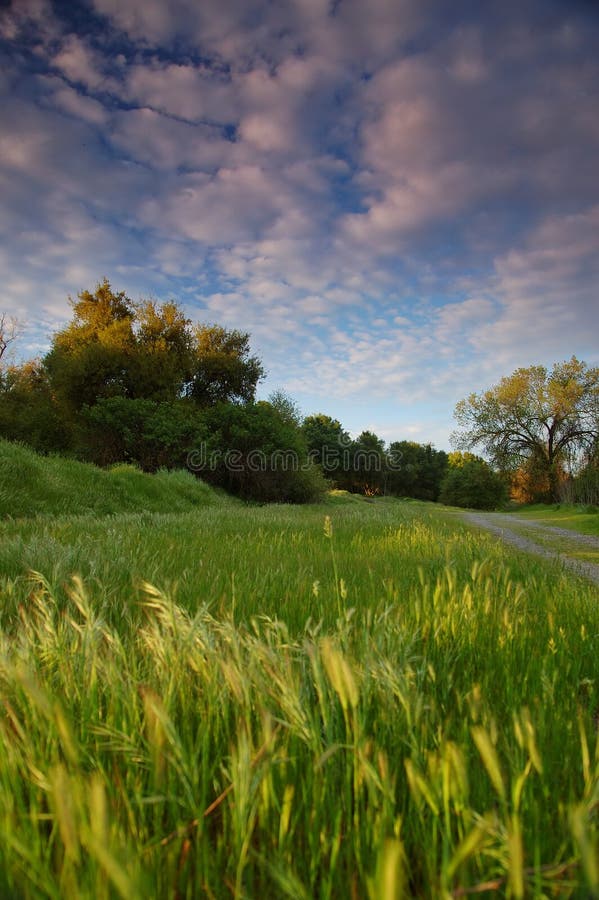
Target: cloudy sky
399 199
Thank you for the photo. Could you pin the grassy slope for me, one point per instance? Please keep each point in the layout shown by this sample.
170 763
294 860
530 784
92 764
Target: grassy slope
575 518
32 485
390 706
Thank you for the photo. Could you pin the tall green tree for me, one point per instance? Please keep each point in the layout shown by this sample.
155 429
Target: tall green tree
223 368
146 351
534 414
329 446
28 409
258 453
91 357
368 464
417 470
163 361
470 482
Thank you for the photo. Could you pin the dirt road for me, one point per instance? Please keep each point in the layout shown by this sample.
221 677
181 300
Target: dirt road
542 540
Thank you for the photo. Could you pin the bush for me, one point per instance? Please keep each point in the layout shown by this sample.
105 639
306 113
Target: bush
150 434
257 453
472 483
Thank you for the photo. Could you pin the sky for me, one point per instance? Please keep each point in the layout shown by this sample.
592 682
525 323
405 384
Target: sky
398 199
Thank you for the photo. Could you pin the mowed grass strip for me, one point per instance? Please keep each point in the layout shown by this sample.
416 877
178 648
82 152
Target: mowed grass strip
584 519
357 699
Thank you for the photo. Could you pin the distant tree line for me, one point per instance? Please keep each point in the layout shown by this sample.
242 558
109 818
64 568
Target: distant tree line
141 383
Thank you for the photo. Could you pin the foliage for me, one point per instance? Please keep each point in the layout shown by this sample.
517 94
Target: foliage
91 358
223 369
328 445
145 351
286 407
583 486
547 417
163 361
365 465
258 453
367 470
150 434
530 483
226 729
418 470
28 410
470 482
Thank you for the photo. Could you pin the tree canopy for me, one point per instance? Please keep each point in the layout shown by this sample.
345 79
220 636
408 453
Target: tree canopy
534 417
147 351
470 482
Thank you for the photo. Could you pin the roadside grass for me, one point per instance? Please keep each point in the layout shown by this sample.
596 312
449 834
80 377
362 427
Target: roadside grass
583 519
570 547
357 699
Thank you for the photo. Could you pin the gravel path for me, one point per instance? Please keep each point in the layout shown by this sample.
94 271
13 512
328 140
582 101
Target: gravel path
569 541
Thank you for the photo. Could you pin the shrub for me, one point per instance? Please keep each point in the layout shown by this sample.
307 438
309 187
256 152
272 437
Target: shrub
257 453
472 483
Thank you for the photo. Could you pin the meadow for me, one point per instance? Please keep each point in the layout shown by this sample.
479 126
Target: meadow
362 699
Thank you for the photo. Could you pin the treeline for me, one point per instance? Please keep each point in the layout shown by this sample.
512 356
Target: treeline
140 383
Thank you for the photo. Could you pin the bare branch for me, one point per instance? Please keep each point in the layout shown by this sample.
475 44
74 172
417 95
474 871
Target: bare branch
10 330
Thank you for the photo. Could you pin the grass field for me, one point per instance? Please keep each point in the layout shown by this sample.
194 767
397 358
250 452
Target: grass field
357 699
563 515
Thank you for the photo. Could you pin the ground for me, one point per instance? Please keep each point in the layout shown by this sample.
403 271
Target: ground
576 551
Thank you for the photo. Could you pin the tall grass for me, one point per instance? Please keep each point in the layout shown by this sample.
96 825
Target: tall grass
34 485
242 702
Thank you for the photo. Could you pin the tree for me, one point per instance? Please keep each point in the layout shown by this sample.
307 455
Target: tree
91 358
368 464
223 370
148 433
418 470
257 453
470 482
286 406
549 418
329 446
146 351
164 351
9 332
28 411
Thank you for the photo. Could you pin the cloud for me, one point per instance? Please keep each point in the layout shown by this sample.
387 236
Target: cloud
548 289
79 63
154 140
397 205
73 103
197 93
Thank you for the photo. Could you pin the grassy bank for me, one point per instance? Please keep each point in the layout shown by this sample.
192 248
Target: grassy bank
34 485
358 699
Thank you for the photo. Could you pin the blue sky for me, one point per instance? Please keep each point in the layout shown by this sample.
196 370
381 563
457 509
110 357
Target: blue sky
398 199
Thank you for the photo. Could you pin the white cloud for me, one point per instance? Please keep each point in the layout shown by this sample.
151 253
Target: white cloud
161 143
395 208
192 92
73 103
79 63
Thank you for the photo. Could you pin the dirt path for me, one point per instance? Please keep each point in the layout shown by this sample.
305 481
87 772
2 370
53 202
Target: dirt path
557 543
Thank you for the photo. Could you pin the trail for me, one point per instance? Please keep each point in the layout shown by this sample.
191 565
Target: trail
558 543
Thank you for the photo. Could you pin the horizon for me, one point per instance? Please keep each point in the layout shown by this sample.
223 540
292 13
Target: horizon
400 207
